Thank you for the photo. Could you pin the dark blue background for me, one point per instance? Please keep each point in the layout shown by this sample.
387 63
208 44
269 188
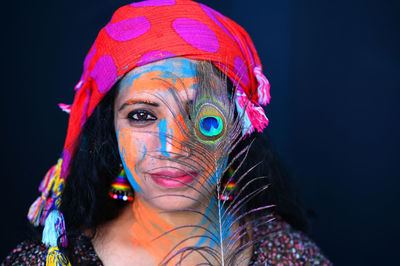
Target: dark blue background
334 67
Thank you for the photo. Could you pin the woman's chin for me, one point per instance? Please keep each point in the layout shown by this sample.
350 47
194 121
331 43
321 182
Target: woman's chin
171 203
174 199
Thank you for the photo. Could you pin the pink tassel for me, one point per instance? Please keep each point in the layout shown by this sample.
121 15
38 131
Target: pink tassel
254 117
257 117
263 86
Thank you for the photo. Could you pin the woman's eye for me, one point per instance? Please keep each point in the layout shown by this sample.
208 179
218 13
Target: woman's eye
141 116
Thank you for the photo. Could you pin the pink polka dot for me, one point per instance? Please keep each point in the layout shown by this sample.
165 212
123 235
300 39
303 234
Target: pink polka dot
210 12
196 34
241 71
153 56
104 73
128 29
154 3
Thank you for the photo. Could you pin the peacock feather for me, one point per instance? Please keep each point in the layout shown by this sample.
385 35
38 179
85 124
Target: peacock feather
211 130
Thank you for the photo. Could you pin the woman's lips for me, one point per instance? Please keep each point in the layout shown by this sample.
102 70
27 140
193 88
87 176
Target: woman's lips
173 179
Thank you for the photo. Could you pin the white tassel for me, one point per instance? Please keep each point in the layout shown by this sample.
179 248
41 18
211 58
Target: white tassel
54 227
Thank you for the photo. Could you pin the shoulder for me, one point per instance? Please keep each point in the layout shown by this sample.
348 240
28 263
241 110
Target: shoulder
277 243
29 252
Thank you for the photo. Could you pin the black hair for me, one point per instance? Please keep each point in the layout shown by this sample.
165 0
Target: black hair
86 204
94 166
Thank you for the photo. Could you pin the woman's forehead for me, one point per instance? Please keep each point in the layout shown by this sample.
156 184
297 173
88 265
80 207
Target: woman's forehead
178 67
178 73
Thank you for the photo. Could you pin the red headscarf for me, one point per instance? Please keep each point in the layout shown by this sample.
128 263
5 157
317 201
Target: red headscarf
147 31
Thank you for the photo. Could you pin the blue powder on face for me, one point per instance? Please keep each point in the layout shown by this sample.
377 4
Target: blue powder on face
162 127
175 68
144 152
170 68
129 175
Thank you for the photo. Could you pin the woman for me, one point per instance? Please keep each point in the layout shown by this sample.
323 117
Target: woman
154 168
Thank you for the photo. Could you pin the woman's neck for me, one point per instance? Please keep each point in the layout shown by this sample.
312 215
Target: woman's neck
150 233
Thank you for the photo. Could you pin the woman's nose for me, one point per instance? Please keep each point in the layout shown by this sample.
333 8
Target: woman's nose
172 137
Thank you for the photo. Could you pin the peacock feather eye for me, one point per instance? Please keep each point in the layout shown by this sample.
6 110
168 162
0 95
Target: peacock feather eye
210 123
211 126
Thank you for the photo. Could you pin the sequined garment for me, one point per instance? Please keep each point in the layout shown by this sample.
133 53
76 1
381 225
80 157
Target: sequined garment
277 243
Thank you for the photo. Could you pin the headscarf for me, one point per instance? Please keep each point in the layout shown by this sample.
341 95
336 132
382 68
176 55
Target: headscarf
144 32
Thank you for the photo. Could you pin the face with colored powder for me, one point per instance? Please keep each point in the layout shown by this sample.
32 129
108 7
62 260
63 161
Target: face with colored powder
155 141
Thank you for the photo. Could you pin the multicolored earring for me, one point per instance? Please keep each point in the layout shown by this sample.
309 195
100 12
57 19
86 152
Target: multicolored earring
229 188
120 188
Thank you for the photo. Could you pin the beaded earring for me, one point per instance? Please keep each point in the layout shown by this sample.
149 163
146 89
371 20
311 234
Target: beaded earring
229 188
120 188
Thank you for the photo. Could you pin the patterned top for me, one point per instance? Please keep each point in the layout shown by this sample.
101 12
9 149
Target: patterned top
277 243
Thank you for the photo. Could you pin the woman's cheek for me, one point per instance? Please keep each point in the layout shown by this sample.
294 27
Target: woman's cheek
128 150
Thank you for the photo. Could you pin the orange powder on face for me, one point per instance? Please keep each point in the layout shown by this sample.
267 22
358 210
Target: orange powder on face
177 139
141 101
147 227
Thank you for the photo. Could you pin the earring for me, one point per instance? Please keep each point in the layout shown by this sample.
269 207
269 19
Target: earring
120 188
228 188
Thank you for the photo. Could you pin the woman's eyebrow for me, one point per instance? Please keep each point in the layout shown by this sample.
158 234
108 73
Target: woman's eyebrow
131 102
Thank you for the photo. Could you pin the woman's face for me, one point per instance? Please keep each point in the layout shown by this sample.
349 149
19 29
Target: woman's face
150 130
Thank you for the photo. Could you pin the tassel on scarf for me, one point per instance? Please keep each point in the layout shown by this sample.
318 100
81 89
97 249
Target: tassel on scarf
252 115
35 210
51 188
55 257
53 230
263 93
44 211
